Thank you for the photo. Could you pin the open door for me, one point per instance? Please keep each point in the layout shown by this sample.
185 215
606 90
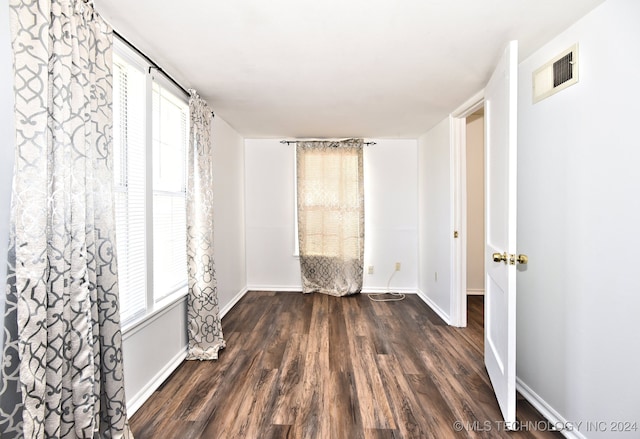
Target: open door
500 230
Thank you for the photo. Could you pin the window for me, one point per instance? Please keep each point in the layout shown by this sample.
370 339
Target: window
170 137
330 205
150 136
318 168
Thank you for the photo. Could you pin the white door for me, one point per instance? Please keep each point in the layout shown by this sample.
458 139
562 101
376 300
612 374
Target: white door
500 198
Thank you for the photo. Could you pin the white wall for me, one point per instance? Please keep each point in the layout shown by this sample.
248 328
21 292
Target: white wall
151 351
154 349
228 227
475 204
435 217
390 174
391 215
269 195
6 149
578 216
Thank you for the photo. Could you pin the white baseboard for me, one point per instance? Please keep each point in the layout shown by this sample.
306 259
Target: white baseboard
565 427
383 290
297 289
475 292
143 395
275 288
236 298
426 299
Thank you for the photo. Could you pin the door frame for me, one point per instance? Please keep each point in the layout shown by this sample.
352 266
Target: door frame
458 153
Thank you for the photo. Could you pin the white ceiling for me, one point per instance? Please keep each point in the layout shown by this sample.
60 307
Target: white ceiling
336 68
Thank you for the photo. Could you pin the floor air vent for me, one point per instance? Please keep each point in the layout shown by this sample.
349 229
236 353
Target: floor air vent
558 74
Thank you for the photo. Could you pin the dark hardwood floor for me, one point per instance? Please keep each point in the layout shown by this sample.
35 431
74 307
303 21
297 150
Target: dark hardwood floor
317 366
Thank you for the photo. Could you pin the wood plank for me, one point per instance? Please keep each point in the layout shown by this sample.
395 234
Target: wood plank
410 420
312 420
289 383
317 366
344 409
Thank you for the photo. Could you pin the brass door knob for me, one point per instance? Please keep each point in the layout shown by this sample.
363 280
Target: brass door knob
500 257
523 259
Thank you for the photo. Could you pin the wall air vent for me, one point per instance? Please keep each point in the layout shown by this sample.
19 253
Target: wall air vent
557 74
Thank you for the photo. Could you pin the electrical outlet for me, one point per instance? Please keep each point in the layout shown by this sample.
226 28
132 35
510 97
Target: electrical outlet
370 271
397 266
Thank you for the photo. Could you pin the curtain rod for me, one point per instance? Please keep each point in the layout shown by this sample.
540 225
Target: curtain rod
289 142
154 65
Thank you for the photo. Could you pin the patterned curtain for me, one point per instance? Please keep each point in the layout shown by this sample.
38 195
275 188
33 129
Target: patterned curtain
331 216
62 359
205 329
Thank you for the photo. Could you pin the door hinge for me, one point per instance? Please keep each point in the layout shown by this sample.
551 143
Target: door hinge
455 234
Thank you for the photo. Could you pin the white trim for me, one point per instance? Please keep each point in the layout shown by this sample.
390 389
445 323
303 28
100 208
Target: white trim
384 290
475 291
459 206
458 211
275 288
170 299
473 104
431 304
148 192
129 55
236 298
145 393
298 289
566 427
138 325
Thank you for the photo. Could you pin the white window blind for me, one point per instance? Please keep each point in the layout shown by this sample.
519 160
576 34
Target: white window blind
129 115
170 137
150 134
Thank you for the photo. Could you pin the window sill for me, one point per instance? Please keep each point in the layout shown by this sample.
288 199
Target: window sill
160 308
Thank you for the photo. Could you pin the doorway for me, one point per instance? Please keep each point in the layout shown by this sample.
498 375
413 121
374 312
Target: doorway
474 153
468 206
474 232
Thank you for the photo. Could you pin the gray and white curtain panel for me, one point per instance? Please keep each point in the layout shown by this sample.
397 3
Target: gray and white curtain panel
203 313
331 216
62 360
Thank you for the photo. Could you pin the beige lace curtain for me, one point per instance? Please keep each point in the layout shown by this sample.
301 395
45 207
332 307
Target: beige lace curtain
331 216
62 361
